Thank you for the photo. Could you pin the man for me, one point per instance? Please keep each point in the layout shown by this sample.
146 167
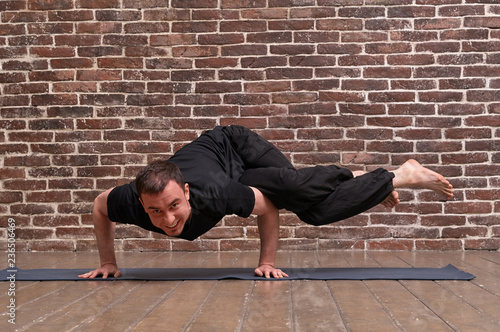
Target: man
232 170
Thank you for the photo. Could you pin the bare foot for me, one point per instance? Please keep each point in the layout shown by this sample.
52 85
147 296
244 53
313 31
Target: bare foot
413 175
392 200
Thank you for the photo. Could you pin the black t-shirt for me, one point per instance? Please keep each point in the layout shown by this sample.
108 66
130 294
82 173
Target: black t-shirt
212 168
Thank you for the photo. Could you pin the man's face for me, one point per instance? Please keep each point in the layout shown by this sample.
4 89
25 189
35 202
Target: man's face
170 209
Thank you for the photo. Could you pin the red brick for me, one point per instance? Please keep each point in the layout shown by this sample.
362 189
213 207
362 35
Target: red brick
31 136
340 145
361 60
390 244
482 244
487 220
216 63
147 75
441 244
263 62
10 197
243 50
70 183
218 87
98 171
293 97
119 62
464 232
102 147
50 51
339 48
98 75
101 99
440 97
370 134
98 124
482 170
195 51
468 207
391 97
316 158
29 209
58 75
52 245
77 40
341 244
72 208
463 158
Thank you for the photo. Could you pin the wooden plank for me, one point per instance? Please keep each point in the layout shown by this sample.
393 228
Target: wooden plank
332 259
407 310
223 309
246 259
451 308
186 300
179 308
130 310
476 261
314 308
387 259
43 308
178 260
493 256
269 308
485 278
359 259
358 307
40 260
221 259
475 296
87 306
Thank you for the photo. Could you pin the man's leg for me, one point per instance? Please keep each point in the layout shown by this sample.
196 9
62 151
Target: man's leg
350 198
254 150
322 194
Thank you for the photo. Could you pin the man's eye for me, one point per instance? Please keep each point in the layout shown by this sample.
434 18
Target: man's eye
156 211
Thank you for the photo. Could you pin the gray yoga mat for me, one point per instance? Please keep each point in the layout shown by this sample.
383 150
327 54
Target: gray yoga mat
445 273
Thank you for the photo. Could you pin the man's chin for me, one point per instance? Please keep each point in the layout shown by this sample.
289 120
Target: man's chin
175 232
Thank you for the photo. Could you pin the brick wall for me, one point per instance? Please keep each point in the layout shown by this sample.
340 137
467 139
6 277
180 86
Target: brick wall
93 90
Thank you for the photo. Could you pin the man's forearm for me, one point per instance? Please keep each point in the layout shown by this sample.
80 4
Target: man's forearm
105 234
268 221
105 231
269 236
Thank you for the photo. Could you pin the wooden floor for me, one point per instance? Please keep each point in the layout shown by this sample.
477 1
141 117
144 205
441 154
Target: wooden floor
259 305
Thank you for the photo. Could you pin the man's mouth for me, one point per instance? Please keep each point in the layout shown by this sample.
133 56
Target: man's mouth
173 226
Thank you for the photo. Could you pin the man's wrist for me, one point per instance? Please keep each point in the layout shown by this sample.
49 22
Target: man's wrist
109 263
269 264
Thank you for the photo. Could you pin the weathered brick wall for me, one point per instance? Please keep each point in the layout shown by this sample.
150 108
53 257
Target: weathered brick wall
93 90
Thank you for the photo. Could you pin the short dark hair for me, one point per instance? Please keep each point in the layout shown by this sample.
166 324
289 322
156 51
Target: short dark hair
153 178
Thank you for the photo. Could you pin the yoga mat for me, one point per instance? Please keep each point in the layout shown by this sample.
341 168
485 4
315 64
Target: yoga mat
445 273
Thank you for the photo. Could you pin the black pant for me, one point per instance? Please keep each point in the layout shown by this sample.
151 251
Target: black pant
317 195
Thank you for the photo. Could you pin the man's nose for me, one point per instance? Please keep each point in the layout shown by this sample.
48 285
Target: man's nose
169 219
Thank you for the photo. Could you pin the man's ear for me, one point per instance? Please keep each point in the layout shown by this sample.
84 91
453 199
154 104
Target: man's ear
186 191
140 199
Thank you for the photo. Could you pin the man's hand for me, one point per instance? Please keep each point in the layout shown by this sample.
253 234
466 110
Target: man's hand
269 271
107 270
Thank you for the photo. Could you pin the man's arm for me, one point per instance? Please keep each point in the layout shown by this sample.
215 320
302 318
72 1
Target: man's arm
268 223
105 234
